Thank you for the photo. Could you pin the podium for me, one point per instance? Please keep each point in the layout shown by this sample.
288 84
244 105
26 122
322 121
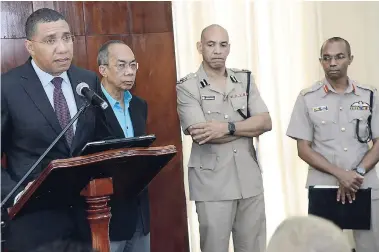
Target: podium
121 172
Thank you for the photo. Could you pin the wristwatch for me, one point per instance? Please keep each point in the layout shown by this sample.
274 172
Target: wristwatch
231 128
360 170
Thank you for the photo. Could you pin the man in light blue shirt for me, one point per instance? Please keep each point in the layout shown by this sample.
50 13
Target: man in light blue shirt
121 111
129 228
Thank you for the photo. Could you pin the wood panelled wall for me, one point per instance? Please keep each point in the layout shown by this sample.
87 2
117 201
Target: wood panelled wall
147 28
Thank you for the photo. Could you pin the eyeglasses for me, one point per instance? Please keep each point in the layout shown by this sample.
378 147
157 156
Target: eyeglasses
122 66
67 39
328 58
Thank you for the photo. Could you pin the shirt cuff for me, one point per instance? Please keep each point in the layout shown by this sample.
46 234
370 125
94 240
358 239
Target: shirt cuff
18 196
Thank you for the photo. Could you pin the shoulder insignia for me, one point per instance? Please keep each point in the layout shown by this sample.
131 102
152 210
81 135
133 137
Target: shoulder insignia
233 78
187 77
370 88
313 88
236 70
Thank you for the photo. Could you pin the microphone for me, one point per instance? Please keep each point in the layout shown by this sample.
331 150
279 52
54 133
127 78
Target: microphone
83 90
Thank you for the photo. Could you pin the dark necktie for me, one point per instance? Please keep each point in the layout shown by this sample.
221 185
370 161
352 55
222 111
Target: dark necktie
61 109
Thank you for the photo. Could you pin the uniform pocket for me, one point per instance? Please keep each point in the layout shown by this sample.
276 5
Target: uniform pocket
212 110
325 130
194 161
204 162
360 118
324 125
239 103
208 161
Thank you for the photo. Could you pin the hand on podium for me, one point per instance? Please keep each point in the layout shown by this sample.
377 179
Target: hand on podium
18 196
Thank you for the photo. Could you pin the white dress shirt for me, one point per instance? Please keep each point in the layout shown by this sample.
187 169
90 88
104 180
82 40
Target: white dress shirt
68 93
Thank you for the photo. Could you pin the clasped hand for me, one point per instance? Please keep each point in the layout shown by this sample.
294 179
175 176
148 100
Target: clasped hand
205 132
350 182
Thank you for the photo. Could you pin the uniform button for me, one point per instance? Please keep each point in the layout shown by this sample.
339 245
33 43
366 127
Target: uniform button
345 149
343 129
226 116
322 122
235 151
340 108
208 112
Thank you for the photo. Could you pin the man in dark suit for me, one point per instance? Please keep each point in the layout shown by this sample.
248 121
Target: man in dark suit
126 117
37 101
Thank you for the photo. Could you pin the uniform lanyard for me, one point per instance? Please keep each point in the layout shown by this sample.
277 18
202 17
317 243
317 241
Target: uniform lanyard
369 135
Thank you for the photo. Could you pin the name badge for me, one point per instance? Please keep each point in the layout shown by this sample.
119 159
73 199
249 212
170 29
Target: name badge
208 97
320 108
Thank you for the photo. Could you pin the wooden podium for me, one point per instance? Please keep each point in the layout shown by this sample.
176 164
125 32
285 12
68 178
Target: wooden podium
121 172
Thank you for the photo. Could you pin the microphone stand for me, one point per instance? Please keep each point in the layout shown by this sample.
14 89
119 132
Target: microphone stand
81 110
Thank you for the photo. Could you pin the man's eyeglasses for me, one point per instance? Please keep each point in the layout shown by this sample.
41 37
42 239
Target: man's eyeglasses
67 39
122 66
328 58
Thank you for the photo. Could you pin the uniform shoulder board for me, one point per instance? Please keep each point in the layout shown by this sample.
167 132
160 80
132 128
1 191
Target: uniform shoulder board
370 88
313 88
236 70
187 77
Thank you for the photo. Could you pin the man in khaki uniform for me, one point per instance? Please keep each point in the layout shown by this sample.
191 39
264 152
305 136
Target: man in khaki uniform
324 122
224 176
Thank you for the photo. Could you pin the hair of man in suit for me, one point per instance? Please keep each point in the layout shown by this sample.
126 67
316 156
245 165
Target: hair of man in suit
214 46
49 41
308 234
118 66
43 15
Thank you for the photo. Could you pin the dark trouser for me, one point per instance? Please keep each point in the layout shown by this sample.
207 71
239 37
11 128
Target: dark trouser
32 230
137 243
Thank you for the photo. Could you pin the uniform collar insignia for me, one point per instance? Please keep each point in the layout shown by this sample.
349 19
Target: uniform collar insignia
233 78
204 83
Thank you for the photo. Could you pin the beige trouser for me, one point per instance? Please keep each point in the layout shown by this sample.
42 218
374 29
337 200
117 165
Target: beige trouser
368 240
245 218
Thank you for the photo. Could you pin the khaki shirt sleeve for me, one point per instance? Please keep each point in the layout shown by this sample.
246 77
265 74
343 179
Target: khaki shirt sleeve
189 108
256 103
300 126
375 116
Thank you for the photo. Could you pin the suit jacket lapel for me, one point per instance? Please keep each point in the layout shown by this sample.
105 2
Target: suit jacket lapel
134 112
111 120
34 88
73 75
75 80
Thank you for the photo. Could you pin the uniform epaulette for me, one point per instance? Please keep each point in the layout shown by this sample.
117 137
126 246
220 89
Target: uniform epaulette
313 88
185 78
371 88
236 70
